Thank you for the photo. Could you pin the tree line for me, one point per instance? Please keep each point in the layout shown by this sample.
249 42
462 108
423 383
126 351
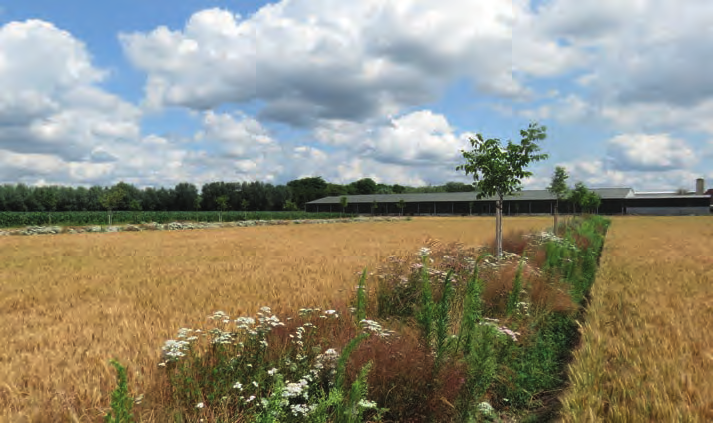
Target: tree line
213 196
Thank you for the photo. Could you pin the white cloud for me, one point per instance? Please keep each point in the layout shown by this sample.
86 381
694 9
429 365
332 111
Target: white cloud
53 117
649 153
647 61
311 60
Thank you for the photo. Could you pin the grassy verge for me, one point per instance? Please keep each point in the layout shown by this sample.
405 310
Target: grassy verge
450 335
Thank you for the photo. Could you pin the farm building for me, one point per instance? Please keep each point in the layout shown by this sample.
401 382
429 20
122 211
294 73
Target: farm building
613 201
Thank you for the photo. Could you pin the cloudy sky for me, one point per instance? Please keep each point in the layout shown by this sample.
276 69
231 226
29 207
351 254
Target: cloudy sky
159 92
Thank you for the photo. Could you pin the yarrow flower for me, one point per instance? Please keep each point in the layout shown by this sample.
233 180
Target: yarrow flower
486 409
366 404
375 327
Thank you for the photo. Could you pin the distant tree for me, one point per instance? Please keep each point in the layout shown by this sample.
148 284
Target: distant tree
401 206
398 189
185 196
558 188
457 187
244 205
290 206
366 186
498 171
135 205
307 189
222 203
334 190
48 198
383 189
344 201
682 191
111 199
131 194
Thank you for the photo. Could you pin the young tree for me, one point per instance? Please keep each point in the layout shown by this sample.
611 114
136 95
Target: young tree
498 171
111 199
578 195
401 206
558 188
344 201
222 203
290 206
591 202
374 206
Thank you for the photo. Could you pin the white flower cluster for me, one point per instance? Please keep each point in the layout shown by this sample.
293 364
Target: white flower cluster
328 313
173 350
220 337
501 329
307 311
267 320
507 257
327 360
371 326
524 308
244 323
486 409
366 404
545 237
298 334
424 252
302 409
296 389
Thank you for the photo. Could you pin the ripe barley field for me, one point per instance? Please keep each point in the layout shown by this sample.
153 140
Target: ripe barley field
70 303
647 344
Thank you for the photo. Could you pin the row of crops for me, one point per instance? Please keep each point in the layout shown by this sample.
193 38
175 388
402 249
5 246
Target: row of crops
20 219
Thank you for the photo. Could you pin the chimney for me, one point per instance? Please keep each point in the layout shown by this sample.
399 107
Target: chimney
700 186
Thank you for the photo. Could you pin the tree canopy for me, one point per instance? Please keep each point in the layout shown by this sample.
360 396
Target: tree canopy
499 171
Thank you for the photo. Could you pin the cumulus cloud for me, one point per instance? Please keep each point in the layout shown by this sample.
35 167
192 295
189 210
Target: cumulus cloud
649 153
597 173
642 56
310 60
51 108
419 138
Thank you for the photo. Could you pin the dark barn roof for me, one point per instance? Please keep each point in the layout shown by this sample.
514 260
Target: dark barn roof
529 195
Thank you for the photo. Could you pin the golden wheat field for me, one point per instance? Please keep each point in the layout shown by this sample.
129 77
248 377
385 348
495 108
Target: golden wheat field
647 345
70 303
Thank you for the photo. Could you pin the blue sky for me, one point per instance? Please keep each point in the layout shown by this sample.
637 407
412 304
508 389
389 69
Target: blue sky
157 92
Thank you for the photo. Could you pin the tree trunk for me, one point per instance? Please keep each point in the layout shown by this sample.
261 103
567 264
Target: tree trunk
499 227
554 229
109 217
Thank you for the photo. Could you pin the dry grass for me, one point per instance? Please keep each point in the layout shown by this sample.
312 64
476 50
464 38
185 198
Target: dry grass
69 303
647 348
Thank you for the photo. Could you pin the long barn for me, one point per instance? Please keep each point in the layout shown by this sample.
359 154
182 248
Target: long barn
528 202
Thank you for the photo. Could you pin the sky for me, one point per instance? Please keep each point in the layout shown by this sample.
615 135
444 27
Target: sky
159 92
